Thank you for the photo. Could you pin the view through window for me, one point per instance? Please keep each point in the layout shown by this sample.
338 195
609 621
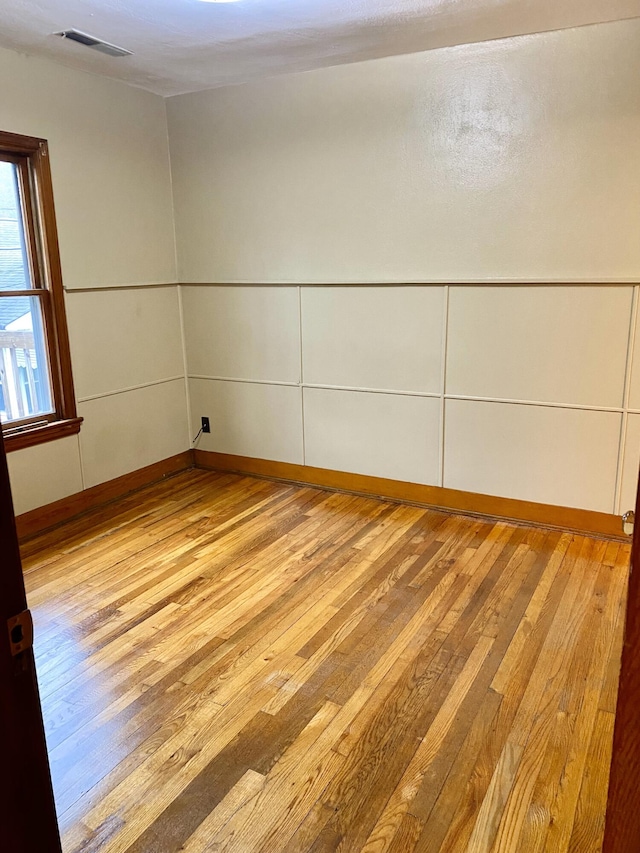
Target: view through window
25 385
36 389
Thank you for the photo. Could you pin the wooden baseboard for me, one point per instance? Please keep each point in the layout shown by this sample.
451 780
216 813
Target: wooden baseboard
564 518
45 517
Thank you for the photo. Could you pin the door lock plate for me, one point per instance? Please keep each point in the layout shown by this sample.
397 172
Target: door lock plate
20 629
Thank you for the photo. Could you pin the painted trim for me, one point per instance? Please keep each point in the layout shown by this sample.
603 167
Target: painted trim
208 378
38 520
548 404
443 384
435 282
626 398
434 395
187 389
451 500
139 387
140 286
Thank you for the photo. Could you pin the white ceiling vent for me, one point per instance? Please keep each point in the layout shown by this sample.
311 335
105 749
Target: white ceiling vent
94 43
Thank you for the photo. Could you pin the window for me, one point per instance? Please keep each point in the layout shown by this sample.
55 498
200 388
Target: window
36 387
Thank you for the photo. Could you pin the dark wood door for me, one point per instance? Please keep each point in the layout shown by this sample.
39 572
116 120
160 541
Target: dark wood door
27 814
622 828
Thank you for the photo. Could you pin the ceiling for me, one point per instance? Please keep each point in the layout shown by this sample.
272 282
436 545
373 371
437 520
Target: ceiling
187 45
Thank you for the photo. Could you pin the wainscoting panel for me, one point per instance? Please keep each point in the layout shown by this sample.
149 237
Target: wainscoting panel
249 419
565 457
551 344
521 390
634 378
631 464
384 435
45 473
373 337
243 332
127 431
123 338
558 364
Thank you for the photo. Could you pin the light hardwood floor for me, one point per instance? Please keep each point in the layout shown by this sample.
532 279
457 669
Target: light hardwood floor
233 664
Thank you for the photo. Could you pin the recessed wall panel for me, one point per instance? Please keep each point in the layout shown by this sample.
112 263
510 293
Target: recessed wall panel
566 457
549 344
45 473
389 338
634 395
384 435
124 432
631 465
243 332
249 419
122 338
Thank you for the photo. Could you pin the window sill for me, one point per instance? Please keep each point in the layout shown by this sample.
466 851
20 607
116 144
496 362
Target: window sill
41 434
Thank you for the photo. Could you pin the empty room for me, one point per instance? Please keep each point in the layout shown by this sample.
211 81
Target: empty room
320 403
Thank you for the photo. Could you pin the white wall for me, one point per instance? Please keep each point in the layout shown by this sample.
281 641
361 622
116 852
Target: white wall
110 167
507 161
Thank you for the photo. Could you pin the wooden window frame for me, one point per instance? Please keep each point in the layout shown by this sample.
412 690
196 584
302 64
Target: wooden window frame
32 157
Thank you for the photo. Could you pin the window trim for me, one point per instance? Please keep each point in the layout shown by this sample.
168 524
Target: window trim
37 199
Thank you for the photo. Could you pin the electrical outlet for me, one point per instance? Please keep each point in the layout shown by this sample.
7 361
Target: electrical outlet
206 426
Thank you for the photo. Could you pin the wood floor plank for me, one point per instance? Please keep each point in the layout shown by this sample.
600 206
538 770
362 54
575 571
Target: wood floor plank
399 802
245 791
437 809
588 827
234 664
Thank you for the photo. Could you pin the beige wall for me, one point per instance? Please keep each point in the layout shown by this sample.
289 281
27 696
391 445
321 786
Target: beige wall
513 160
110 166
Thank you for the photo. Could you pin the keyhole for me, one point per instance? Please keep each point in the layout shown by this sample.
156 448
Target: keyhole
17 635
